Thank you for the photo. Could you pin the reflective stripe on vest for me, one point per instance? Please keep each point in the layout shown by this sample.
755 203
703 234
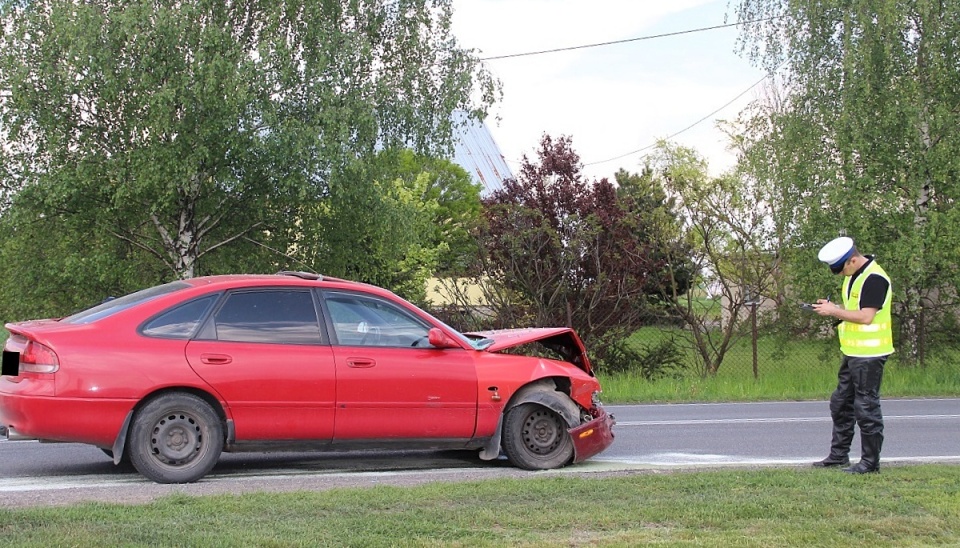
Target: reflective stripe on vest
876 338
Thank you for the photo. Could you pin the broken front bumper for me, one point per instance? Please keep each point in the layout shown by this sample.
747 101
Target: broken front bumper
592 437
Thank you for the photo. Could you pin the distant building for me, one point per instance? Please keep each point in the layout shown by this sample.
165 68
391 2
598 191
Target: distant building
477 152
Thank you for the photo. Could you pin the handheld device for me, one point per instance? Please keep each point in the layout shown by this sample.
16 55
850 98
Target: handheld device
806 306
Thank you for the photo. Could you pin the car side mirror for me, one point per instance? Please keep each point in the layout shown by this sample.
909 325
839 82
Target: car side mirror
439 339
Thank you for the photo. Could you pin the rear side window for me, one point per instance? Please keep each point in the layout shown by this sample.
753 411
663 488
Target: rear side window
272 316
180 322
112 306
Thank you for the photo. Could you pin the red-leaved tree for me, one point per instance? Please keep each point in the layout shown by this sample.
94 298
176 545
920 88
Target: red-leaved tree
560 250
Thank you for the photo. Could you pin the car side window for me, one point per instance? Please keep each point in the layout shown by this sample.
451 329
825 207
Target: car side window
272 316
366 321
179 322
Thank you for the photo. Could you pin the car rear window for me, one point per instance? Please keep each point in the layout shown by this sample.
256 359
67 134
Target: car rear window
111 306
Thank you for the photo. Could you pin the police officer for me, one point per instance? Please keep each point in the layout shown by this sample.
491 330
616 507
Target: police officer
866 340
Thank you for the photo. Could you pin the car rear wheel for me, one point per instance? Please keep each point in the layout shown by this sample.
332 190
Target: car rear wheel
176 438
536 438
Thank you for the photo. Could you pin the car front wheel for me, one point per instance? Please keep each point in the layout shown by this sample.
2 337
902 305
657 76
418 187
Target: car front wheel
536 438
175 438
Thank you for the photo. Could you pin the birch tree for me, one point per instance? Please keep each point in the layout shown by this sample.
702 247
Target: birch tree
182 127
868 145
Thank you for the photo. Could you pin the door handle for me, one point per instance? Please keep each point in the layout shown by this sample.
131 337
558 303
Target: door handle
215 359
361 363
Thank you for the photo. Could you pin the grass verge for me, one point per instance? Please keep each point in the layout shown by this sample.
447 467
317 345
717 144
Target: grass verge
902 506
812 382
786 370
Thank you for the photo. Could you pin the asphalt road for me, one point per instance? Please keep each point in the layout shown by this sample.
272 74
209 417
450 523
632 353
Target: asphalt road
922 430
648 437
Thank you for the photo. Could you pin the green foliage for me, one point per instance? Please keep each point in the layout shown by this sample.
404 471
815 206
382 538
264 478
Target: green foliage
560 250
655 360
50 266
373 228
193 132
723 244
457 212
862 140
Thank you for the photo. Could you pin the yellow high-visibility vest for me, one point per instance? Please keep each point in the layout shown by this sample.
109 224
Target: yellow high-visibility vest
873 339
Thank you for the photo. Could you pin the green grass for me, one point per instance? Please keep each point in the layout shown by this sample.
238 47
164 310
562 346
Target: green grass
902 506
799 383
786 370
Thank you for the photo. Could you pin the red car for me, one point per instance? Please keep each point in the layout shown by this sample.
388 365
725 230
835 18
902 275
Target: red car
171 376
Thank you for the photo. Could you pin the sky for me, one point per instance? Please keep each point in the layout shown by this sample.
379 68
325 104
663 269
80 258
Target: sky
613 100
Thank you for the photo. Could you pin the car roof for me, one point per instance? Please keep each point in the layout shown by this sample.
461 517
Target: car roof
281 278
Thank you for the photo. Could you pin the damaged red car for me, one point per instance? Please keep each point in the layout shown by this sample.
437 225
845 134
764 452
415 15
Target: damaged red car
170 377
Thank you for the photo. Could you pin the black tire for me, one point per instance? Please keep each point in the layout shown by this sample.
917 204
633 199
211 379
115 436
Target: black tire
176 438
536 438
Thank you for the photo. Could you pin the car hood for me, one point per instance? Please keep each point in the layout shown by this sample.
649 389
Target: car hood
559 339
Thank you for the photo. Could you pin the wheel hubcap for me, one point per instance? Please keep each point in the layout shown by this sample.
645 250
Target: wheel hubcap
542 432
176 439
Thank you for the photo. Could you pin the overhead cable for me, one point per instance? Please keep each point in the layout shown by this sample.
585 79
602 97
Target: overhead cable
691 126
614 42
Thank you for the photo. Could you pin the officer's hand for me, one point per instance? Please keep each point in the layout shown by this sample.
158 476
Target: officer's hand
825 308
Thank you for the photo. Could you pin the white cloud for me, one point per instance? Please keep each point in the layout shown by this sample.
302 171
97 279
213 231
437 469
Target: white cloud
613 99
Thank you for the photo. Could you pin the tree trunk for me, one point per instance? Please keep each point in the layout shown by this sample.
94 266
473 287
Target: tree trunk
913 292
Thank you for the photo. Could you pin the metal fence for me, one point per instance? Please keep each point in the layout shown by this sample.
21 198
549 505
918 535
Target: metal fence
758 345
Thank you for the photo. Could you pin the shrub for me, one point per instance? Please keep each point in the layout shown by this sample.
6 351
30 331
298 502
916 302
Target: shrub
654 360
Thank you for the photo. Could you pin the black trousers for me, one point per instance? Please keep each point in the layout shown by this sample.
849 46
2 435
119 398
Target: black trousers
856 401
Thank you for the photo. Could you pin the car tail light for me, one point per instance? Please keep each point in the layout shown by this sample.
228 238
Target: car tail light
38 358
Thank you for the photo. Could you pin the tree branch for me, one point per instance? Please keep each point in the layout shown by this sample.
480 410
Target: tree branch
144 247
228 240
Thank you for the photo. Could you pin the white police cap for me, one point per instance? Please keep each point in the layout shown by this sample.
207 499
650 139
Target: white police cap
836 253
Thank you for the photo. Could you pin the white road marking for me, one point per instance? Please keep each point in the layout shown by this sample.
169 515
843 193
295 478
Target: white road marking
688 422
674 460
61 482
658 461
51 483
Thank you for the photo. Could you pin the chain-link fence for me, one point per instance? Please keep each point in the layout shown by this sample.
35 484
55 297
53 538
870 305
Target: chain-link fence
761 342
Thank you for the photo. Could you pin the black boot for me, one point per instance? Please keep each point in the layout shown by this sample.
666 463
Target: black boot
870 445
841 439
832 462
839 443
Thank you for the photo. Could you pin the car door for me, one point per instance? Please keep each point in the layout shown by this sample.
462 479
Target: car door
266 354
391 383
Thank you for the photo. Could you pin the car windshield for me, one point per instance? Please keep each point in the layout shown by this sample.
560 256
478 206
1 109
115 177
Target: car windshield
111 306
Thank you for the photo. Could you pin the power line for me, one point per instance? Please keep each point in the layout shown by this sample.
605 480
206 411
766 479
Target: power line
638 39
691 126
